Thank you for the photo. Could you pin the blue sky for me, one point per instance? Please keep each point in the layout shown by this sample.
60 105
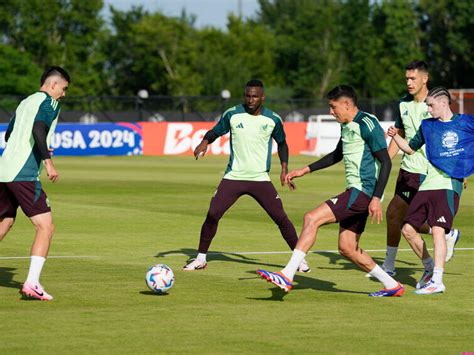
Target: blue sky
209 12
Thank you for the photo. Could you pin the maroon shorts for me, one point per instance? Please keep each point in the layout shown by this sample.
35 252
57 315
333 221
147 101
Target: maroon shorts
436 207
29 195
408 184
351 209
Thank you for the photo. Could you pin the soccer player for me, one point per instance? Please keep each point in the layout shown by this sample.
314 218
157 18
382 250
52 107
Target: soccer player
449 141
252 128
413 169
28 137
362 147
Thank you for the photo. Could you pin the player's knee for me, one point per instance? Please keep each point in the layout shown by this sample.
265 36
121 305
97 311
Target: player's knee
213 216
5 225
345 251
311 219
47 229
408 231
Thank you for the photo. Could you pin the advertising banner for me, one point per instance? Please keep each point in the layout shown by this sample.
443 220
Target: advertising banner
178 138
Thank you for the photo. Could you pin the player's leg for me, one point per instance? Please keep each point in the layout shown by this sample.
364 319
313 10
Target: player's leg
396 211
349 248
5 225
225 196
312 221
266 195
8 207
34 203
443 206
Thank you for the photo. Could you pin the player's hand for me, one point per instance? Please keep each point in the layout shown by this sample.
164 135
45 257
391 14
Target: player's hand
375 210
295 174
465 183
392 131
284 181
53 175
201 149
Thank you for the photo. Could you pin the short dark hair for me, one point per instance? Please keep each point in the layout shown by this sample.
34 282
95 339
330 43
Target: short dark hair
254 83
342 91
52 71
417 65
440 91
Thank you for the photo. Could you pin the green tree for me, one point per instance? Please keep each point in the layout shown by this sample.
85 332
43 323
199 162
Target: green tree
58 32
20 75
308 53
448 41
397 42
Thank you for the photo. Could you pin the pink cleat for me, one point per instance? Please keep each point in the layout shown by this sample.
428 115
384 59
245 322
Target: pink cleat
30 290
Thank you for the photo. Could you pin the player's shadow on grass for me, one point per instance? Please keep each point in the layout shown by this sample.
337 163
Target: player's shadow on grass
217 256
303 283
6 278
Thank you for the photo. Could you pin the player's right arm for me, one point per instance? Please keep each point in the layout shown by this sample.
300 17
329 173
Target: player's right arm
221 128
393 146
326 161
408 147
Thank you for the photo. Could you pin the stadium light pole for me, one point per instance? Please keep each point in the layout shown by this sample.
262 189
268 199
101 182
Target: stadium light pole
142 95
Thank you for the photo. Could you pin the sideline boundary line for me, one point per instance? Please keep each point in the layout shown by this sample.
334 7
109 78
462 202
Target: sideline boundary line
289 252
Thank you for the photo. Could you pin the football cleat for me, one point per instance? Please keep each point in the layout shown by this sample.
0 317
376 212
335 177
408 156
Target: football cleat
431 288
452 239
276 278
389 292
30 290
425 278
304 267
194 264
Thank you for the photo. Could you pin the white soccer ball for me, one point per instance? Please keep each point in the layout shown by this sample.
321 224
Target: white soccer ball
159 278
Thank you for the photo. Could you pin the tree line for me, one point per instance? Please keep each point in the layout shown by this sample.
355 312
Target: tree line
299 48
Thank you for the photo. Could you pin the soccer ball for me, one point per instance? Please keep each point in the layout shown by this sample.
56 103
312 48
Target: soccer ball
159 278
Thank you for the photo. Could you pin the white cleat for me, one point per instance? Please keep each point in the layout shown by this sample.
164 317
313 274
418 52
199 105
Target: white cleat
304 267
431 288
195 264
451 240
425 279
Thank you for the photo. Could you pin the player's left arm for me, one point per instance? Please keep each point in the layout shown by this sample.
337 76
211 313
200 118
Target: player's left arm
278 134
374 136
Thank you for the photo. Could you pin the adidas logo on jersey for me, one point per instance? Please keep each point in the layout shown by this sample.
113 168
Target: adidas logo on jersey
333 200
405 113
441 219
240 125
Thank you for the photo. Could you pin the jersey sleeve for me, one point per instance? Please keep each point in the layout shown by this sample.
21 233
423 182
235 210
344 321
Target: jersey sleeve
46 112
278 133
398 118
418 140
372 133
223 126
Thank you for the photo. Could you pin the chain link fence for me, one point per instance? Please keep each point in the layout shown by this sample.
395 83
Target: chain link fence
195 108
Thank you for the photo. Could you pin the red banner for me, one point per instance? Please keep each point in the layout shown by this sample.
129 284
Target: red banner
163 138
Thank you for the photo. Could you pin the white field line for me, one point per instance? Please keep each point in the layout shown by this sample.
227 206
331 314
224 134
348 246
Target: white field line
289 252
233 252
51 257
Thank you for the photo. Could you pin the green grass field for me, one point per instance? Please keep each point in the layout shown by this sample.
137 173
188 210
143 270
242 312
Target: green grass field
115 217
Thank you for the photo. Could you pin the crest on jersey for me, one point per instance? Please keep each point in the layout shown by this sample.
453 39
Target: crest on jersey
450 139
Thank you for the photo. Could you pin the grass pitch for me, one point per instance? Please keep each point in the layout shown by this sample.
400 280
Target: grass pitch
115 217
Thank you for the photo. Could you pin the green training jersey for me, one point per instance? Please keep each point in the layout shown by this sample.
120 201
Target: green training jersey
409 119
250 142
362 137
20 161
436 179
